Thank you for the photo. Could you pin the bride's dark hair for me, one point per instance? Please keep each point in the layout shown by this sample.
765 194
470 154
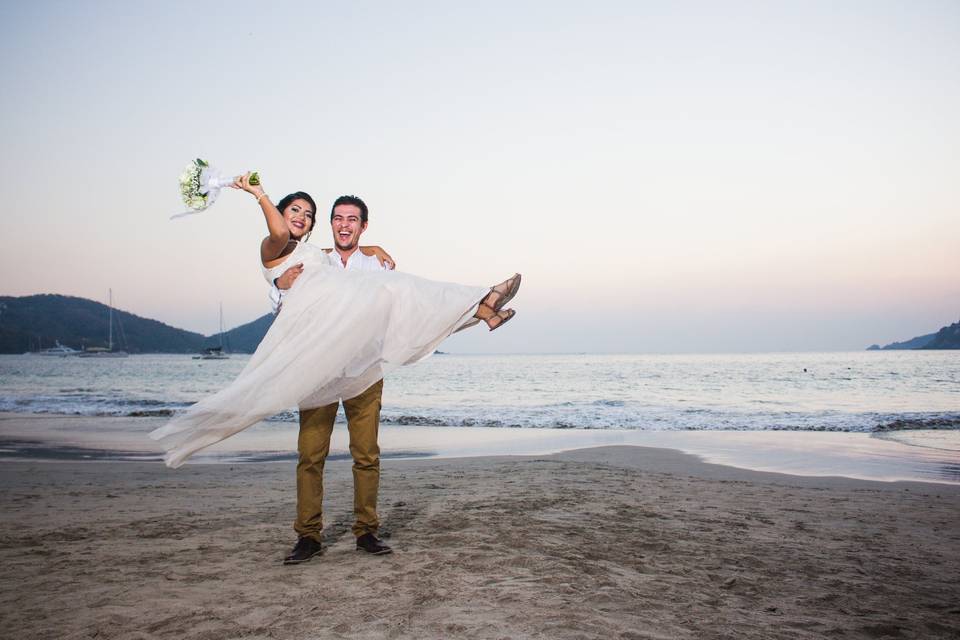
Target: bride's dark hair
300 195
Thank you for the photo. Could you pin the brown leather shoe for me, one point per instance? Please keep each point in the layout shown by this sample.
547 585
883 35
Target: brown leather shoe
305 549
372 544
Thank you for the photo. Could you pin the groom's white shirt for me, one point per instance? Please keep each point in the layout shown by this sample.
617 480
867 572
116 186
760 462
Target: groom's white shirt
357 261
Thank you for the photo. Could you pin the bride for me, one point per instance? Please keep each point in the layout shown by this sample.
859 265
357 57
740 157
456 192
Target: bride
339 332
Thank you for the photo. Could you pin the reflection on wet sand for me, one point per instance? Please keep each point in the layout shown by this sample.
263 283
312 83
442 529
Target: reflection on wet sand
918 455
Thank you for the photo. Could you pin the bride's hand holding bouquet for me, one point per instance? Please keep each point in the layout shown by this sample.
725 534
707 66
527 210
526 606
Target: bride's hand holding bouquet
250 182
282 235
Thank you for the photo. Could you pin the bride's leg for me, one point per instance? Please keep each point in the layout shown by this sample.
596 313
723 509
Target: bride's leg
493 318
501 294
483 312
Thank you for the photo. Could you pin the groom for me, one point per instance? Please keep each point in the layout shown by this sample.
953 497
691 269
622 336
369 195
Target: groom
348 220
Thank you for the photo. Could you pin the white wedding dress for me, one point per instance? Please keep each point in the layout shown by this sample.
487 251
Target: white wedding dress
339 331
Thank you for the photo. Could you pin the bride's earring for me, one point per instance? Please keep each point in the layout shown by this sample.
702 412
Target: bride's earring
306 236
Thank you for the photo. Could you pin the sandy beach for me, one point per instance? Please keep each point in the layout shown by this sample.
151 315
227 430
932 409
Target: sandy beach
611 542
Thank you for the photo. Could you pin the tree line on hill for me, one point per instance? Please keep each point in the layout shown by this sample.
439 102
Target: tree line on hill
32 323
946 338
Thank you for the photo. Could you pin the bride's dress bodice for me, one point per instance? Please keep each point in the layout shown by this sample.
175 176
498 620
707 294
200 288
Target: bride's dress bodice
310 255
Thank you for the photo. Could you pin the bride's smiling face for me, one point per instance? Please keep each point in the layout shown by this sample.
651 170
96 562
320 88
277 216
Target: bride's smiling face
299 217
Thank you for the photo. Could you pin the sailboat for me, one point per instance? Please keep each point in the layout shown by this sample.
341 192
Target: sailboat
215 353
59 350
100 352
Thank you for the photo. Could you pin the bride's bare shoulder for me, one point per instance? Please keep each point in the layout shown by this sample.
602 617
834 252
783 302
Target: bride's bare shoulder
270 262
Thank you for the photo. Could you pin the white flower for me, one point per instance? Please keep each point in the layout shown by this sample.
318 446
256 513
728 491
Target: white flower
190 186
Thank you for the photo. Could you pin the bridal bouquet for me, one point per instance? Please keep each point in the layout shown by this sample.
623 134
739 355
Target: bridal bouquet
200 185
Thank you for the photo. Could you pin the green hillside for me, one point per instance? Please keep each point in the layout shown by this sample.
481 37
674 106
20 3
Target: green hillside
246 337
947 338
30 323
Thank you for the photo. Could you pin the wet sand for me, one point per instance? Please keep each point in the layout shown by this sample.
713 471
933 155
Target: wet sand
611 542
914 455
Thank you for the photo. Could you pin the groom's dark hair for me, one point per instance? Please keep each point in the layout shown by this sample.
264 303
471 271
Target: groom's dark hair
355 201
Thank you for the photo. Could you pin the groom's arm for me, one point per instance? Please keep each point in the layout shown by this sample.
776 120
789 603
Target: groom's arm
276 299
285 281
288 277
384 258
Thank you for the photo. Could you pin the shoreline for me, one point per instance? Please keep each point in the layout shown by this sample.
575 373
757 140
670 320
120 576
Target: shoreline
868 456
609 542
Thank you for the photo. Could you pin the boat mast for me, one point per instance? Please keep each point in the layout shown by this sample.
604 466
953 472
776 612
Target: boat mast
110 322
221 326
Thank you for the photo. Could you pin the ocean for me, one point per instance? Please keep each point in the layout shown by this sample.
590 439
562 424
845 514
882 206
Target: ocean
879 415
848 391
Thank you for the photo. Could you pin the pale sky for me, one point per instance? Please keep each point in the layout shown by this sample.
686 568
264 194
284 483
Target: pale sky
668 176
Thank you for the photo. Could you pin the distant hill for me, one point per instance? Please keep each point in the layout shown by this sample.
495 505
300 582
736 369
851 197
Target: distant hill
246 337
913 343
32 322
947 338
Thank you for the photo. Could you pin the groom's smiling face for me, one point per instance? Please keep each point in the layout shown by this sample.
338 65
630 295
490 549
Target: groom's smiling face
347 226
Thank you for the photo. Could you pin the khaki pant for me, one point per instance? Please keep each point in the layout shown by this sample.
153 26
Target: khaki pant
316 426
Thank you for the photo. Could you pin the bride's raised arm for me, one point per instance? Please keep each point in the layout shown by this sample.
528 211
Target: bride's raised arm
274 244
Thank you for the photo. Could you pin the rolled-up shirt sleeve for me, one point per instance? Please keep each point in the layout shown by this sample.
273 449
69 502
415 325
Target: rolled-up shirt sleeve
276 299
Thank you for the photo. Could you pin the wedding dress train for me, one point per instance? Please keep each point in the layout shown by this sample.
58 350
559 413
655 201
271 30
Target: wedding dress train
338 332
